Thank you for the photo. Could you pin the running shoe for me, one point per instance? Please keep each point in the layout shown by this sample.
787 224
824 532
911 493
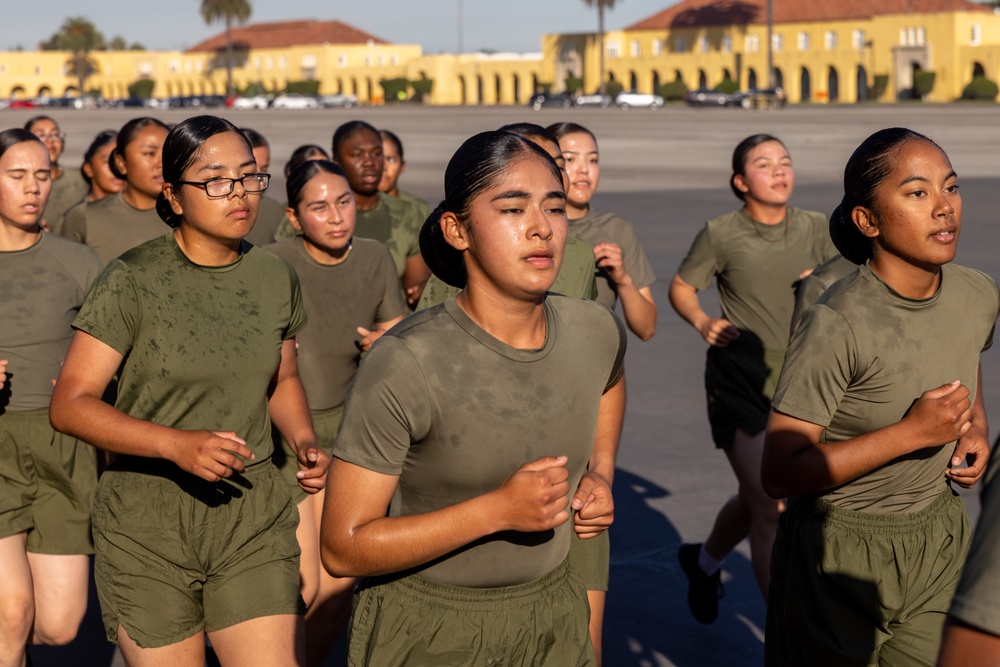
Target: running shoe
704 590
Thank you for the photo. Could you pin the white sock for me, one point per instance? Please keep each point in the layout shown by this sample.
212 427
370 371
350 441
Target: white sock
708 564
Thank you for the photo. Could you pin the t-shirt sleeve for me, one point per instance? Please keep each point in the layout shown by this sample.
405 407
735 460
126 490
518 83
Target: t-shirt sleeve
388 408
297 319
618 368
995 299
392 304
111 311
634 257
818 367
976 601
74 225
701 265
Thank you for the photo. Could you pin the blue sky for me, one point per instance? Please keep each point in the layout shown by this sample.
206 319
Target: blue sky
504 25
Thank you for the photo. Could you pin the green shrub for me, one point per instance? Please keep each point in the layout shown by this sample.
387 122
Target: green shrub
673 91
421 89
878 87
310 87
923 83
980 88
142 88
394 89
727 86
574 84
613 88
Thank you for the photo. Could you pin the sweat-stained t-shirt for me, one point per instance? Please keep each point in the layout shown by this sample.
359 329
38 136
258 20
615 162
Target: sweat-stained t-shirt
41 291
595 228
454 412
423 208
863 354
112 225
201 343
359 292
758 267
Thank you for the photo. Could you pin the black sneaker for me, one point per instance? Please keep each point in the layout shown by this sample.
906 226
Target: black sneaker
704 591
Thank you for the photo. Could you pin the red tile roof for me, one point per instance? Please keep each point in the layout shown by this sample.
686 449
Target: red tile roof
282 34
690 13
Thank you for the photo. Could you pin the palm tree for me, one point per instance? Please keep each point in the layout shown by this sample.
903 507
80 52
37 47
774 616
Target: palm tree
601 5
228 11
78 36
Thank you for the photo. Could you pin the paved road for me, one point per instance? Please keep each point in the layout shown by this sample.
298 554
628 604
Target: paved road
667 172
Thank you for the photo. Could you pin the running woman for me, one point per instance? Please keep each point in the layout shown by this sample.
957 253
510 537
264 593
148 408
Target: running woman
393 167
271 211
96 167
877 412
68 186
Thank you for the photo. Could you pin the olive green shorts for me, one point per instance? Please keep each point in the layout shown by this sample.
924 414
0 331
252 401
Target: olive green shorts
325 424
739 383
862 588
47 482
419 623
591 559
177 555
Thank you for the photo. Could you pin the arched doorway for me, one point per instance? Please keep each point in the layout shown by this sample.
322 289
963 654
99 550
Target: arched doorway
44 91
461 89
633 82
497 89
678 76
752 79
479 89
805 86
517 88
832 84
702 80
978 70
726 74
862 84
656 83
779 78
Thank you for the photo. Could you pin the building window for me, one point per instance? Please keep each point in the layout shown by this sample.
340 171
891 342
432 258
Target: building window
921 36
727 44
657 47
803 41
977 35
680 46
368 61
858 39
751 43
197 67
381 59
634 48
614 50
281 62
38 70
342 60
173 66
777 42
269 62
187 66
702 44
256 62
394 59
830 40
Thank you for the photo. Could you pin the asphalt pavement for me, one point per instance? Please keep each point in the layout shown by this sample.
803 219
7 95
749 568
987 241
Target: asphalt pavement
667 172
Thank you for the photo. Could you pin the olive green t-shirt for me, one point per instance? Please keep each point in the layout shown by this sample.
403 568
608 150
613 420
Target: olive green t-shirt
757 268
394 223
863 354
976 601
112 225
42 289
201 344
595 228
268 218
359 292
454 412
576 277
423 208
67 191
811 288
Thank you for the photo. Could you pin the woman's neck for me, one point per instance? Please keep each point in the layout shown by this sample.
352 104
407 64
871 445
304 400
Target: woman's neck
206 250
767 214
908 280
137 199
14 237
324 256
366 202
518 323
576 211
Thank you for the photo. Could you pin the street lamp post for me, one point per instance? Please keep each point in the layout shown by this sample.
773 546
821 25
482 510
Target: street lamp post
770 44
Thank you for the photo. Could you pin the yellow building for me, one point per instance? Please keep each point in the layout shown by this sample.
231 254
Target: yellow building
821 51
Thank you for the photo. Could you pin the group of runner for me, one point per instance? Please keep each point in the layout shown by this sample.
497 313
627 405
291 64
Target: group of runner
268 463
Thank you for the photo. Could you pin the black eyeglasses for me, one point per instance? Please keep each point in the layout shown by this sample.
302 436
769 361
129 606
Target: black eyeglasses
223 187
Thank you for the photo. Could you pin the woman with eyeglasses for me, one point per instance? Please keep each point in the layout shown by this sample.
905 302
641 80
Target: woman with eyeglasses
126 219
68 185
194 528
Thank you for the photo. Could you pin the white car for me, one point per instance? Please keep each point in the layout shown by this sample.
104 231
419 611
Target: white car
339 100
255 102
295 101
629 100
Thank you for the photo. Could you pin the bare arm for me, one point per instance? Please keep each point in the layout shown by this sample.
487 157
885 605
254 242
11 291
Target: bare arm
415 277
593 501
358 539
716 331
370 336
966 646
77 409
290 413
795 462
637 303
974 447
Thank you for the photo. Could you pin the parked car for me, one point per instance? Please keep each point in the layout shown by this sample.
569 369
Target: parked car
255 102
22 104
338 100
556 100
713 98
129 102
595 100
633 99
295 101
212 101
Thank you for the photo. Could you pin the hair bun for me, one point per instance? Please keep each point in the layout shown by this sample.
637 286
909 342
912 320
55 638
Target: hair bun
441 258
850 242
